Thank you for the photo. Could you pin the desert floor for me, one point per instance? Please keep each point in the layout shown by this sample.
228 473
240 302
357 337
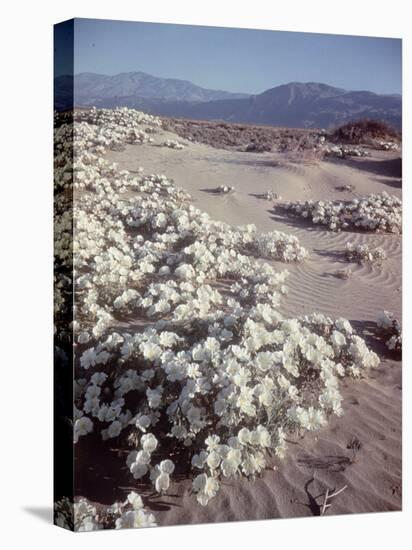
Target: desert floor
362 449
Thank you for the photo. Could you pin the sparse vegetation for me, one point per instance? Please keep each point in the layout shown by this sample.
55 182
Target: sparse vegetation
343 151
270 196
344 274
173 144
225 189
242 137
391 330
364 131
363 253
348 188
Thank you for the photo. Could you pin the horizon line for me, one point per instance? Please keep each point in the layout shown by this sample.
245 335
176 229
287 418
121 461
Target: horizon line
223 90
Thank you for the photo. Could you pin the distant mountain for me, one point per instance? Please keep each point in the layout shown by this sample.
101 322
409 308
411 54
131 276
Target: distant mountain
297 104
303 105
93 89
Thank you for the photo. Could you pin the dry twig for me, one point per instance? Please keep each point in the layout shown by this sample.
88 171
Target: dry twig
328 496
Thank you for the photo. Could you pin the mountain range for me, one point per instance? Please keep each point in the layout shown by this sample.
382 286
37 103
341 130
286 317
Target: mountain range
296 104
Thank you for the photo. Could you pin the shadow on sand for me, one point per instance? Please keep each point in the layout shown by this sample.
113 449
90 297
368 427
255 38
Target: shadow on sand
391 168
370 332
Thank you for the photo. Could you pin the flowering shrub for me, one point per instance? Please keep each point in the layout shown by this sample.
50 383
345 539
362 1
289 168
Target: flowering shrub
342 151
225 397
344 274
279 246
378 212
362 253
271 196
391 330
83 516
208 375
348 187
225 189
387 145
173 144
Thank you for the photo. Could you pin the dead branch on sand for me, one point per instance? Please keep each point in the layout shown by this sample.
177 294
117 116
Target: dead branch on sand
328 497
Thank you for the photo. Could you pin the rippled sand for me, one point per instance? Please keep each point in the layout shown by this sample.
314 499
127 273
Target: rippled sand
363 448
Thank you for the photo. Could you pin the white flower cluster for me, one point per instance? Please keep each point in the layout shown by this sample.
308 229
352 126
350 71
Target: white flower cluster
228 392
119 126
173 144
279 246
379 212
120 117
180 348
83 516
225 189
363 253
347 187
342 151
271 196
391 330
388 145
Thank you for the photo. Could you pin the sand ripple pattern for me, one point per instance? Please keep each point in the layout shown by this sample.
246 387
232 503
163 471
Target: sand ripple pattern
363 448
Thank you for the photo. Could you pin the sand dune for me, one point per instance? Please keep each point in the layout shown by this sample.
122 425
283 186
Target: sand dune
363 448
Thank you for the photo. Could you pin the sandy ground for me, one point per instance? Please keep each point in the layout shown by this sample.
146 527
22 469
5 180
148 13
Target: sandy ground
363 448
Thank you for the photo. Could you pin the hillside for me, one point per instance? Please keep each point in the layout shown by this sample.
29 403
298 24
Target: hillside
297 104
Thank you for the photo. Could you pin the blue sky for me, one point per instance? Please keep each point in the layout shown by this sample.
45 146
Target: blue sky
240 60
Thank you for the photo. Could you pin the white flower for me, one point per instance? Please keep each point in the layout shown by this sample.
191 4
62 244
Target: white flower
213 460
205 487
231 463
245 401
160 475
142 457
138 470
114 429
344 326
199 460
93 391
162 482
135 500
88 524
150 351
338 339
82 426
164 270
244 436
98 378
253 463
154 397
185 272
212 442
134 519
149 442
88 358
260 436
385 319
131 458
264 360
142 422
167 466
